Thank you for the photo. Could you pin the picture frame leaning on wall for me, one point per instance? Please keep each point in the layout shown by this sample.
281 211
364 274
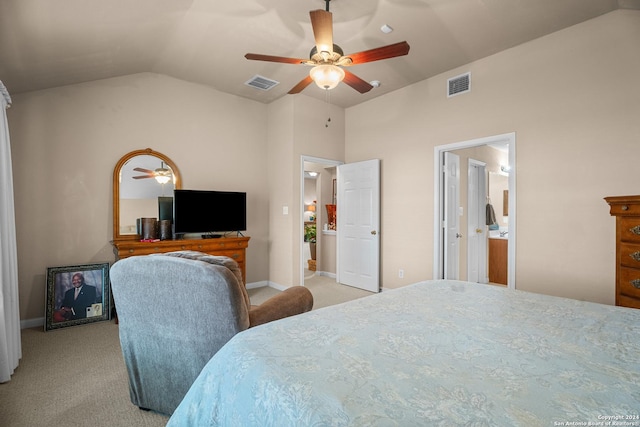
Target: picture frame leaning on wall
77 295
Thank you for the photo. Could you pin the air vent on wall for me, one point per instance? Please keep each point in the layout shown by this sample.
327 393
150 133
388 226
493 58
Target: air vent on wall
459 84
260 82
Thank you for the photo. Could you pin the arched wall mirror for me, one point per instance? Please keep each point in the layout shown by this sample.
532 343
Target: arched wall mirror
139 179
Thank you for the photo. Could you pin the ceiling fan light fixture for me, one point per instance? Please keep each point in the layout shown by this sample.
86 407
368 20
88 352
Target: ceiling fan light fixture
327 76
162 174
327 73
162 179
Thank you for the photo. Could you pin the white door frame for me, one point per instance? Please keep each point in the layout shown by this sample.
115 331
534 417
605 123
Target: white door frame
311 159
438 155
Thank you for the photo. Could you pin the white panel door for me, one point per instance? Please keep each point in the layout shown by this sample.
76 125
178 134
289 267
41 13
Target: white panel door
451 216
476 223
358 225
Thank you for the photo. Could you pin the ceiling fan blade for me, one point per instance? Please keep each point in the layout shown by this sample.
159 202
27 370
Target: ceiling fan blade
142 176
322 23
384 52
300 86
270 58
143 170
356 82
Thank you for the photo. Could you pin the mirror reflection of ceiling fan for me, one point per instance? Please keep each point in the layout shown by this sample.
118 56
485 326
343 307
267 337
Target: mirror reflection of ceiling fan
327 59
161 174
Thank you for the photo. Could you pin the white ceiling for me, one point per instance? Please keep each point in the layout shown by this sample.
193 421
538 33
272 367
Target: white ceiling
45 43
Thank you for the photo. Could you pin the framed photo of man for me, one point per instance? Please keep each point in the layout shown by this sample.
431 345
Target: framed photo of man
77 294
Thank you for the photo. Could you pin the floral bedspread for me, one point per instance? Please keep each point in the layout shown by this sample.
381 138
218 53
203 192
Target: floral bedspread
438 353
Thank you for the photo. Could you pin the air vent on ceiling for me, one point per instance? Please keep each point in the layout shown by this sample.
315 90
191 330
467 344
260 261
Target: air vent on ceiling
459 84
260 82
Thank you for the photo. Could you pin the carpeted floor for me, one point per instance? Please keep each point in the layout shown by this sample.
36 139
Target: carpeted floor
76 376
325 292
71 377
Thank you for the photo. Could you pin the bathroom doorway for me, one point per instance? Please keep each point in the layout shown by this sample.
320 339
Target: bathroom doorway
317 191
498 153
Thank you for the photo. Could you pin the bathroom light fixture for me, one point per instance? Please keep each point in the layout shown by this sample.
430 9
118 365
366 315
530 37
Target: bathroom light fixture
327 76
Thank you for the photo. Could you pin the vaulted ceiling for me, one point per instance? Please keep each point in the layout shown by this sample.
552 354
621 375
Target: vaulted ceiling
45 43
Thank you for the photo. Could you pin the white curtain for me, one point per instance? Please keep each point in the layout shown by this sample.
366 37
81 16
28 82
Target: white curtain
10 344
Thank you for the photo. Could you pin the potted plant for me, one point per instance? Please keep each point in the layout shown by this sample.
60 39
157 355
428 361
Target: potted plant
310 236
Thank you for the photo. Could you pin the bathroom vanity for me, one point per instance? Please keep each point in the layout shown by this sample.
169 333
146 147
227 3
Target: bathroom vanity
498 256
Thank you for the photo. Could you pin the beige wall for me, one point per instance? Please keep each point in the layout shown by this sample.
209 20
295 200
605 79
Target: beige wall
328 248
572 99
66 142
296 128
280 180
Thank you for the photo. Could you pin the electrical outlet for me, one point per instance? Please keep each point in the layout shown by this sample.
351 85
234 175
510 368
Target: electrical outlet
401 273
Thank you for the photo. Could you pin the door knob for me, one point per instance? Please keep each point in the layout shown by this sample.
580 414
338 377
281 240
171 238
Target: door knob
478 230
374 232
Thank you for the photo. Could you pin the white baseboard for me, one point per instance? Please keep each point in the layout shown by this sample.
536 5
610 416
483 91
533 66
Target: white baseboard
260 284
32 323
266 283
326 274
278 286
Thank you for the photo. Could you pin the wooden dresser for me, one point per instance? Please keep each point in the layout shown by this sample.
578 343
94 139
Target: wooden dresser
233 247
626 209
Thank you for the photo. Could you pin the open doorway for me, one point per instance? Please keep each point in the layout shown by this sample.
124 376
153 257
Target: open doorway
446 215
317 191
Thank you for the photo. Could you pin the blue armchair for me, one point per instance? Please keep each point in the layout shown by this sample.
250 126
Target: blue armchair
175 311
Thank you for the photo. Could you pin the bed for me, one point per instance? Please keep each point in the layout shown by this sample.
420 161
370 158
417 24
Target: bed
441 353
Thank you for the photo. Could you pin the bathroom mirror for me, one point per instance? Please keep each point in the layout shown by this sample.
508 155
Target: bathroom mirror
139 178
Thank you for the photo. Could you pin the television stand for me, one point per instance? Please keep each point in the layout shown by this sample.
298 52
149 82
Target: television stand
233 247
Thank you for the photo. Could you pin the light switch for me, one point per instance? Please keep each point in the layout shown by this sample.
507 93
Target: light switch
285 210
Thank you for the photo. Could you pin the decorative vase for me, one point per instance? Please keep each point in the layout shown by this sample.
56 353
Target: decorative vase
312 248
149 228
165 229
331 216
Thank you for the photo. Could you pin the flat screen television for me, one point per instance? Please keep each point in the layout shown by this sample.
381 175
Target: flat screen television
202 211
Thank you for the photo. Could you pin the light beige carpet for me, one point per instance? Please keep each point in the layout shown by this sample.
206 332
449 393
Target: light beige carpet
76 376
326 291
71 377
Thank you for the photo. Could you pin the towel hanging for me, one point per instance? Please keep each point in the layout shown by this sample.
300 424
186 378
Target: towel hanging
491 216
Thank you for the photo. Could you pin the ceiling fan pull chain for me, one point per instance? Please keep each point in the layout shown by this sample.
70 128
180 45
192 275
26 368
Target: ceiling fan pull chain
327 99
